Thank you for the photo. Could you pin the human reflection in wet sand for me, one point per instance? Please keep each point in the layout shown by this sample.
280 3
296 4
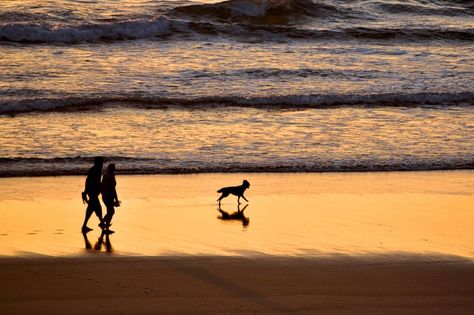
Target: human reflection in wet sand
100 242
237 216
86 240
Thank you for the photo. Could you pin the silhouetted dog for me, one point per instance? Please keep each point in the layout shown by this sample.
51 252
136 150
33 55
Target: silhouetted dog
235 190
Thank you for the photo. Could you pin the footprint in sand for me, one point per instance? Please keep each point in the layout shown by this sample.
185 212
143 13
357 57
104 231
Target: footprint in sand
34 232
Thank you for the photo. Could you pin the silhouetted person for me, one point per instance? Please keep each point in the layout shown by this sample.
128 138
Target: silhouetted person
109 196
91 193
238 216
234 190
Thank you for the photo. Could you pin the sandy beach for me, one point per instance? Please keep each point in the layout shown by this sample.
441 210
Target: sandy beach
224 285
289 214
330 243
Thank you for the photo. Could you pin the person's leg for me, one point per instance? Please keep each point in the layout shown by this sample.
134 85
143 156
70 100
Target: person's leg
94 203
89 211
109 215
98 213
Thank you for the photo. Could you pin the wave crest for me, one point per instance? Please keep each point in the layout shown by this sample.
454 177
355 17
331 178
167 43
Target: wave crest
277 101
161 27
281 19
436 7
260 11
34 32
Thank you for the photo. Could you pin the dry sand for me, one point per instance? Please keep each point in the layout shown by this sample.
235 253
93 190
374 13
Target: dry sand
238 285
368 243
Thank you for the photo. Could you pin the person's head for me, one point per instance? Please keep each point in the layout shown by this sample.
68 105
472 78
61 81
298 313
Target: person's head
111 168
99 161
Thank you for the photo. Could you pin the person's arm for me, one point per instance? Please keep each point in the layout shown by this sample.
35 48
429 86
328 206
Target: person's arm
117 201
85 192
84 198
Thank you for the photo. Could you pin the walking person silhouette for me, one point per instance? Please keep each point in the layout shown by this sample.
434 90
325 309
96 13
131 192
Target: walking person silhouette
91 193
109 196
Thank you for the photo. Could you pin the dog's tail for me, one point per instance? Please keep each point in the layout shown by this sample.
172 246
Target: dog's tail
220 190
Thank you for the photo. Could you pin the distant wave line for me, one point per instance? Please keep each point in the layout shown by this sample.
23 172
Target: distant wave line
164 27
21 167
276 101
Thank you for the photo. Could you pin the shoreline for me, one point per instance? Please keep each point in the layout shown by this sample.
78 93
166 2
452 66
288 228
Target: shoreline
247 171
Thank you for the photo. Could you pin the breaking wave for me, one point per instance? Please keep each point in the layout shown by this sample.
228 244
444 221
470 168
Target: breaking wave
292 11
163 27
43 33
266 19
18 167
264 11
284 101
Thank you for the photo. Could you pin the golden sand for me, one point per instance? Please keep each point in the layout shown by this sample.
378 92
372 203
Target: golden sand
359 243
289 214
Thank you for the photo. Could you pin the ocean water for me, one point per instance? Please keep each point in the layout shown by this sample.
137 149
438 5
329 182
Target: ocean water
239 85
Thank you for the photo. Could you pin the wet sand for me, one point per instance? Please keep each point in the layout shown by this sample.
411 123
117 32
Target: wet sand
289 214
356 243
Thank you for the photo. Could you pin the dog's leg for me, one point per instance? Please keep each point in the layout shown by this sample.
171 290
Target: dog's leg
238 200
222 197
244 198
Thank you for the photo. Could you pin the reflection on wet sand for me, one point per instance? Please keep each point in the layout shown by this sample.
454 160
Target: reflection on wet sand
292 214
101 243
237 216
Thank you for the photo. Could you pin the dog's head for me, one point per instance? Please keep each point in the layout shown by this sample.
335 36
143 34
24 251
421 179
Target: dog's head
246 184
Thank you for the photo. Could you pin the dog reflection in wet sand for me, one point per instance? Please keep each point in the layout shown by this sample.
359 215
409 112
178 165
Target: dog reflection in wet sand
237 216
234 190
